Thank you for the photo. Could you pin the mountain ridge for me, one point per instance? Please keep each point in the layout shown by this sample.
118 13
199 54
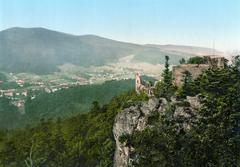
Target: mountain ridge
40 50
100 37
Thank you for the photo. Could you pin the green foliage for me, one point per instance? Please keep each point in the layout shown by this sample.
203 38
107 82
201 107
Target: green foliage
187 88
167 76
8 85
3 77
236 63
153 118
165 87
182 61
214 137
124 139
63 103
163 90
87 140
84 140
136 99
196 60
9 114
68 102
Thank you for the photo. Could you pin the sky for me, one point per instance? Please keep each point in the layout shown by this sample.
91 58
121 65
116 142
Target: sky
206 23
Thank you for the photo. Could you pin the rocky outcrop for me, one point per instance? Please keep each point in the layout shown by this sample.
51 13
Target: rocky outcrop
194 101
135 118
129 120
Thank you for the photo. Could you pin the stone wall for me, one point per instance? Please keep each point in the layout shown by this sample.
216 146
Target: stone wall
142 86
138 83
216 62
194 69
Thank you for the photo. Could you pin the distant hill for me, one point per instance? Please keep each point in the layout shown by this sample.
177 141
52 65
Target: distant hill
188 49
41 51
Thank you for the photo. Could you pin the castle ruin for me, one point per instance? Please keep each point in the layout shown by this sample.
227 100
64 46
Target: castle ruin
178 73
196 69
140 86
138 83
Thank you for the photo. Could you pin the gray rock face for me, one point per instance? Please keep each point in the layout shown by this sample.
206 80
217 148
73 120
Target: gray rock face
163 104
135 118
129 120
194 101
125 123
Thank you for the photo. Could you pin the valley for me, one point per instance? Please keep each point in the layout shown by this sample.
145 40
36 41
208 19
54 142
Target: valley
129 83
19 86
35 60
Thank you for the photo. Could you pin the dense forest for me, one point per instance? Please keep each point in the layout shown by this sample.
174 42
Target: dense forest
83 140
86 140
69 102
9 114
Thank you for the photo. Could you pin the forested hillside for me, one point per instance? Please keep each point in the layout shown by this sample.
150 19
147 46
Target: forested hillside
68 102
60 104
87 140
9 114
83 140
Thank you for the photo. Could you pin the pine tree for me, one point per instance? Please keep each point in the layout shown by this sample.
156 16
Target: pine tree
182 61
167 76
236 62
187 83
165 87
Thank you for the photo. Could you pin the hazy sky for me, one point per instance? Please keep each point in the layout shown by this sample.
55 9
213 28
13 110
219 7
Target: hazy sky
209 23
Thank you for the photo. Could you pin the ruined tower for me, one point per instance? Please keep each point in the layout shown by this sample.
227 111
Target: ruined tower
138 83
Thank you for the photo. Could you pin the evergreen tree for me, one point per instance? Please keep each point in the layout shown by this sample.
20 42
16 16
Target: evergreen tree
236 63
86 140
167 76
59 145
214 137
165 87
187 88
95 107
182 61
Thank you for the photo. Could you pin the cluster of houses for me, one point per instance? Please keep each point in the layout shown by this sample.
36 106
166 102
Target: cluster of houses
19 95
12 93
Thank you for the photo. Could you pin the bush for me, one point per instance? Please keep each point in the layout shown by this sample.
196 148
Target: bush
196 60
